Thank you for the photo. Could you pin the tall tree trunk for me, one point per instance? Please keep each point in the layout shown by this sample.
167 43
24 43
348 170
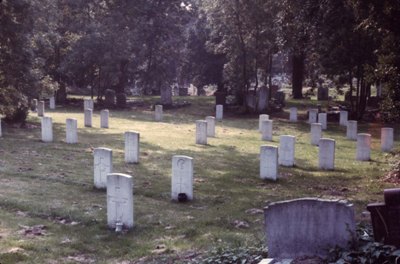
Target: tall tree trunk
297 75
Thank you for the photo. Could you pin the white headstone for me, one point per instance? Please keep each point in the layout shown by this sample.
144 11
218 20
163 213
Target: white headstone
363 147
132 140
387 139
47 129
326 154
343 118
351 132
293 114
182 177
88 117
104 114
219 112
266 130
210 126
312 116
201 132
102 166
286 150
260 119
71 131
316 133
269 162
158 113
34 105
119 200
322 119
88 104
52 103
40 108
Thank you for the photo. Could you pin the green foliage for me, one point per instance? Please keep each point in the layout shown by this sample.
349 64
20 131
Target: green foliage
241 255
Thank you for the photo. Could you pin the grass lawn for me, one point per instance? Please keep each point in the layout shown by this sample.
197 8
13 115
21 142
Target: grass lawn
51 184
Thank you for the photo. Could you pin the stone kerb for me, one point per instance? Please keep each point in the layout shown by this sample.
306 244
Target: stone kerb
308 227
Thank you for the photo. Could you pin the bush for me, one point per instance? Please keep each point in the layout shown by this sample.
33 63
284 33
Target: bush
13 105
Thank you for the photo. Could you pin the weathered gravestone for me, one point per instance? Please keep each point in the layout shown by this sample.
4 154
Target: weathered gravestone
88 104
261 118
293 114
109 98
201 132
308 227
132 139
210 126
102 166
182 178
40 108
158 114
363 147
119 200
104 115
88 117
387 139
269 162
316 133
351 132
47 129
312 116
71 131
385 218
52 103
286 150
343 118
326 154
266 130
323 94
322 119
219 112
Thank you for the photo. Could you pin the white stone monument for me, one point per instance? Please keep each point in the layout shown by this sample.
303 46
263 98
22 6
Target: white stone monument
102 166
88 104
269 162
261 118
119 200
293 114
326 154
344 115
219 112
40 108
52 103
210 126
132 140
71 131
88 117
266 130
351 132
286 150
201 132
158 115
387 139
322 119
104 114
47 129
316 133
312 116
363 147
182 178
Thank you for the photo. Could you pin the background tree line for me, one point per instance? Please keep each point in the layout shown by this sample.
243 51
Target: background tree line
49 45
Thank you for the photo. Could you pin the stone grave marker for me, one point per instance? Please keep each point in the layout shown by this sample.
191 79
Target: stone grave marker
182 178
269 162
201 132
119 200
312 116
1 132
286 150
326 154
351 132
40 108
261 118
387 139
52 103
343 118
316 133
210 126
88 117
132 140
363 147
158 114
322 119
102 166
104 115
219 112
71 131
293 114
47 129
34 105
88 104
266 130
308 227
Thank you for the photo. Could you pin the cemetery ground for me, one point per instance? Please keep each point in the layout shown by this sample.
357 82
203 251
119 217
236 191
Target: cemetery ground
51 213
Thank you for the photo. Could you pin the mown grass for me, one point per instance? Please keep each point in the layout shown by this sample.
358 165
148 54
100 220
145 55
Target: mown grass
52 184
